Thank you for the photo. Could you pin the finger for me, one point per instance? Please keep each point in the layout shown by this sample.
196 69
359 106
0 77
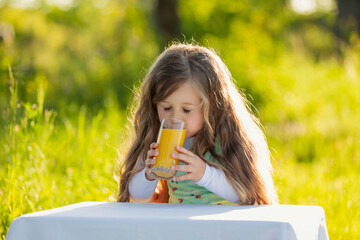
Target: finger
184 150
150 177
148 171
152 153
149 174
182 157
154 145
183 168
150 162
183 177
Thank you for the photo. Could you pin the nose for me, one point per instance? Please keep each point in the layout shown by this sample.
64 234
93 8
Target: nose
178 115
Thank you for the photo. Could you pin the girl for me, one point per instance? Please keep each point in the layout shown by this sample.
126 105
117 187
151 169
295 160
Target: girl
225 158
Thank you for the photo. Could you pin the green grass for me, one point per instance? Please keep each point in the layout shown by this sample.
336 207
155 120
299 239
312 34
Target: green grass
313 129
49 161
311 118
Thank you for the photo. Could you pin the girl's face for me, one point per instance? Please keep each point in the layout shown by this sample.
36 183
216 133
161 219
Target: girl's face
183 104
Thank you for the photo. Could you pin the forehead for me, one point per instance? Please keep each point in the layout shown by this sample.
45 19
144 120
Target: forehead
184 94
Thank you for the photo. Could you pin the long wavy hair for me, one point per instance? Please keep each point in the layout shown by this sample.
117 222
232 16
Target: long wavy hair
244 157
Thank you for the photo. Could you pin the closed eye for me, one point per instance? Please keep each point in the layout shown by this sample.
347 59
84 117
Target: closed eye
186 110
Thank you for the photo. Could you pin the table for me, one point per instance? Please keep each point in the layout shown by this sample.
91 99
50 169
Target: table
146 221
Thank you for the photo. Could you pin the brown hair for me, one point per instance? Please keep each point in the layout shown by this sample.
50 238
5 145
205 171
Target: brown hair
244 156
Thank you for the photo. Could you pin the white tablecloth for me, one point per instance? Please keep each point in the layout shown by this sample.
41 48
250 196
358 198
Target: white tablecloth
146 221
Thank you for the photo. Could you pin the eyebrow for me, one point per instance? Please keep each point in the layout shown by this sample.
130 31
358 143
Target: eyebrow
184 103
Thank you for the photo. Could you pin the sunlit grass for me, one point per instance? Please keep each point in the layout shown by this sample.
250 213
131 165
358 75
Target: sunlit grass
49 161
315 140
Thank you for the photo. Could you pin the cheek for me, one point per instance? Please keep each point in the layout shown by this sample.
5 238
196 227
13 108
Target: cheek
201 122
161 114
198 121
158 112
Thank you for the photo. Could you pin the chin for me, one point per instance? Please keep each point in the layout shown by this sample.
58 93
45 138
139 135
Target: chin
189 135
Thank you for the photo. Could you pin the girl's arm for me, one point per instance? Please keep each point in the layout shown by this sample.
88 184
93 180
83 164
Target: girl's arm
215 181
143 184
203 175
141 189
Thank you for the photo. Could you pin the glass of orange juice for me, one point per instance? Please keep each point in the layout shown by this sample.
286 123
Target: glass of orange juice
171 134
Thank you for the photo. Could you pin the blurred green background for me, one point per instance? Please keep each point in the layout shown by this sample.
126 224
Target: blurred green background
68 70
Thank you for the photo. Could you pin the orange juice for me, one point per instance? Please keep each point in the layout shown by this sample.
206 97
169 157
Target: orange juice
168 139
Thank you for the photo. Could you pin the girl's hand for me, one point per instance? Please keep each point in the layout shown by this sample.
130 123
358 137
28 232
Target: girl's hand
194 165
150 161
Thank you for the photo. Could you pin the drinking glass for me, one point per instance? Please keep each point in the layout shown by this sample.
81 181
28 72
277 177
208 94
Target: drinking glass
171 134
